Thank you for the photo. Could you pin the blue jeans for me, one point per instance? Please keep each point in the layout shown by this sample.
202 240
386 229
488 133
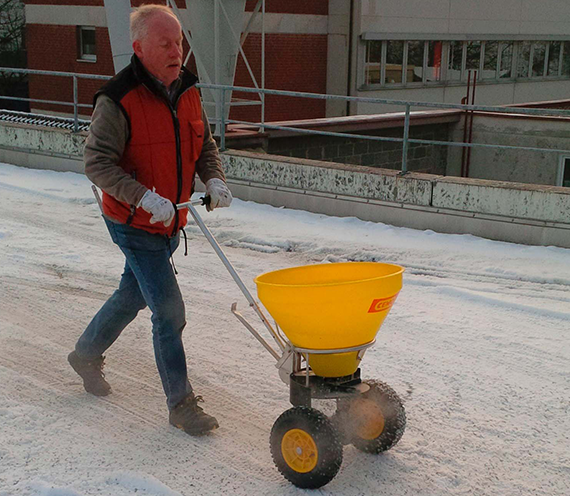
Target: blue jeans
148 279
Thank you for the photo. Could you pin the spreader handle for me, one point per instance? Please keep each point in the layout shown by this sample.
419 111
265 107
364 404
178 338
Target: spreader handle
217 248
205 200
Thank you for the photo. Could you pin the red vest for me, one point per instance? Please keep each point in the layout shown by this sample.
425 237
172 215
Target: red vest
160 154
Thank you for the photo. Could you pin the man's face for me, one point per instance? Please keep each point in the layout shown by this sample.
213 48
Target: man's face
160 51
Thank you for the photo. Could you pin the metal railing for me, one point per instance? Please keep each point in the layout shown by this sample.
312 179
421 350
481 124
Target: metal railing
223 121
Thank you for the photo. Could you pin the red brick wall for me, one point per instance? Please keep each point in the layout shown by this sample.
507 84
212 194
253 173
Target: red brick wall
294 62
94 3
54 48
317 7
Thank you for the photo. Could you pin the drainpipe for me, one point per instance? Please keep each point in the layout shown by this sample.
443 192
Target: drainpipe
349 75
471 125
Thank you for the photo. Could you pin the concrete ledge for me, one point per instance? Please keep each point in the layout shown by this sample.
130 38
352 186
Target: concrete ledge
42 139
525 201
329 177
415 217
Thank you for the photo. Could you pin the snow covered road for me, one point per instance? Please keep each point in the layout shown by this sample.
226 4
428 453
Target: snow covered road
477 346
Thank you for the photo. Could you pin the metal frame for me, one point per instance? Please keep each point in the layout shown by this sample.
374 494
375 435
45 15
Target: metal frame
408 105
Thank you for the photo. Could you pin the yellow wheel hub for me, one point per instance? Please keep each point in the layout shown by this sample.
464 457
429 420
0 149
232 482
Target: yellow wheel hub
368 419
299 451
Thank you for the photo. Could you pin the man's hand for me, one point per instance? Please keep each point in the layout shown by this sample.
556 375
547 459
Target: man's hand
220 195
161 209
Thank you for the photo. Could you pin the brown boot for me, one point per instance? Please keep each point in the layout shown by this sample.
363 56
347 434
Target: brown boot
189 417
91 371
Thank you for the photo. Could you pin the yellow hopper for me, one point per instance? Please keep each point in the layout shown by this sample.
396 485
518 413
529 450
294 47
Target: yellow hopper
331 307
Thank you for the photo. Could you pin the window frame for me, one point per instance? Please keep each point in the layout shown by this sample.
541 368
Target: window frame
81 56
445 61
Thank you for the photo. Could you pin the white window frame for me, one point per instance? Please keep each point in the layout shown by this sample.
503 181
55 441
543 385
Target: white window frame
444 81
85 57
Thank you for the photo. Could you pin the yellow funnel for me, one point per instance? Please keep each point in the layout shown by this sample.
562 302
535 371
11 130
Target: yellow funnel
331 306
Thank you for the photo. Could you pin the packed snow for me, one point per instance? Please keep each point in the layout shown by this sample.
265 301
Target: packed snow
477 346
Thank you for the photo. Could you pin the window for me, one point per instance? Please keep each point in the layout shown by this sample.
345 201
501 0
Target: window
455 60
86 48
373 60
491 59
554 58
564 173
566 58
506 54
394 61
524 59
415 63
435 49
473 56
419 62
538 58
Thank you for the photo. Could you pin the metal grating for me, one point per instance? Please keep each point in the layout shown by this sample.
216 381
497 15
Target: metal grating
43 120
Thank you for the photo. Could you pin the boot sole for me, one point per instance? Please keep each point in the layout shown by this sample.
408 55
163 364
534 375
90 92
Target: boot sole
192 432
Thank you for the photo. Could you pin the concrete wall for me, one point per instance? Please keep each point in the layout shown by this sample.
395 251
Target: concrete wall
546 17
504 211
513 165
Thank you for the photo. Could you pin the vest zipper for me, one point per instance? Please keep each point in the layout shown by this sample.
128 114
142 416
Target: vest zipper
174 112
178 165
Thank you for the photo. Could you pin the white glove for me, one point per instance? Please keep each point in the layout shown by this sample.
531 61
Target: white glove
220 195
161 209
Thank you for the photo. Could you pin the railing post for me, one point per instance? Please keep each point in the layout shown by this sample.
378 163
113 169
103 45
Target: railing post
75 109
223 120
406 143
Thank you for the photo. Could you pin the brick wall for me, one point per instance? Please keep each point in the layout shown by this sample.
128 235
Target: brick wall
430 159
316 7
293 62
296 62
54 48
90 3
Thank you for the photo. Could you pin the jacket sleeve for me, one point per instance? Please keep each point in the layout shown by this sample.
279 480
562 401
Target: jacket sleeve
104 148
209 164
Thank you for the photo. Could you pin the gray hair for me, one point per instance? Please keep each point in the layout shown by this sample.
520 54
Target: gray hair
142 15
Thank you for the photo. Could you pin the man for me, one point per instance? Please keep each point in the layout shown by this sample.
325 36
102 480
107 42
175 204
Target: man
148 137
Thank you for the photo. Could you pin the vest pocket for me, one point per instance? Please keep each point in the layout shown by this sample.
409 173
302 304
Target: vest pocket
197 137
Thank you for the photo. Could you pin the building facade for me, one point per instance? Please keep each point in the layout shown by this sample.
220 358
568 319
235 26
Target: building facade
420 50
517 51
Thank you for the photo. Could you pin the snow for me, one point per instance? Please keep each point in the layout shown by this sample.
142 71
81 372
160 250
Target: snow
477 346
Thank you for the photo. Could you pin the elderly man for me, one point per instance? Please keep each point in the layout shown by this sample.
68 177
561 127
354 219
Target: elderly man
149 136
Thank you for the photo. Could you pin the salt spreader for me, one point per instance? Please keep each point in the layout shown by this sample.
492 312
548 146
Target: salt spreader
326 317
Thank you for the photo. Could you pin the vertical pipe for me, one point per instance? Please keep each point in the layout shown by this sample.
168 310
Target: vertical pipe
471 127
406 137
223 120
75 110
350 62
216 91
465 101
262 65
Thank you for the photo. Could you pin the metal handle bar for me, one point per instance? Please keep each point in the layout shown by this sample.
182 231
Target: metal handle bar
215 245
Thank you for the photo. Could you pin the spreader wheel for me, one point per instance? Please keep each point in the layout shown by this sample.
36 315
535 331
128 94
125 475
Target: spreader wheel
376 419
305 447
